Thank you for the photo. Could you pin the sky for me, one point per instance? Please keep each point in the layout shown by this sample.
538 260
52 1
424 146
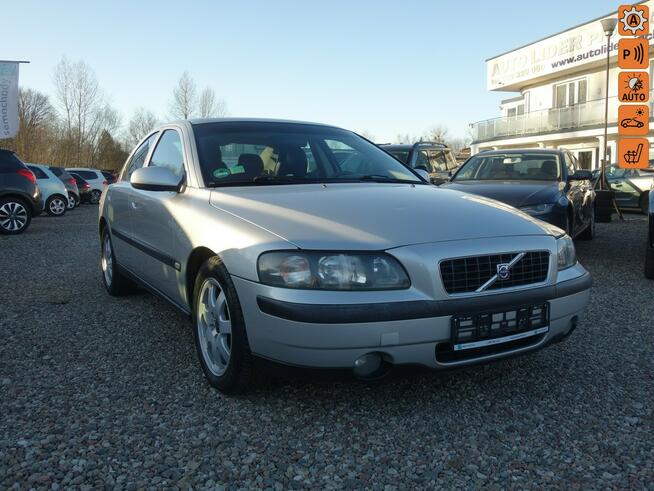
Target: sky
380 67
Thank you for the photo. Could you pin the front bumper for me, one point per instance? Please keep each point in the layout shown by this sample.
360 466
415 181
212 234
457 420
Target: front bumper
334 335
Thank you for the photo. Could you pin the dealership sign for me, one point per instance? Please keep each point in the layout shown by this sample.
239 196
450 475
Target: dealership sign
569 49
8 99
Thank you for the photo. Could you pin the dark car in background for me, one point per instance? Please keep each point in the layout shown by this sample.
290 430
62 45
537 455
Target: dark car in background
546 184
631 186
84 188
20 196
71 185
435 158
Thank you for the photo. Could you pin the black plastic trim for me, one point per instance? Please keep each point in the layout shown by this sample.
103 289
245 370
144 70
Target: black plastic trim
156 254
417 309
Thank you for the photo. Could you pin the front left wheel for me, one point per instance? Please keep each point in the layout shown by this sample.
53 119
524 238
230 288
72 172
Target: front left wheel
219 330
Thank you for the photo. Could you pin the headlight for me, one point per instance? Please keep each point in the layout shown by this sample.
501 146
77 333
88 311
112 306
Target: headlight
565 252
538 209
332 271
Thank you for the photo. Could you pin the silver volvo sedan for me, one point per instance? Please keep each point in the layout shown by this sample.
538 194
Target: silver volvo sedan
279 251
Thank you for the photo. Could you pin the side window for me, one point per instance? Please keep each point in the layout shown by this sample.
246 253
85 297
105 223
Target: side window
138 159
168 153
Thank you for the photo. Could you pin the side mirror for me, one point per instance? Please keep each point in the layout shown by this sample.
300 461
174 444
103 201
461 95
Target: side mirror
581 175
422 173
156 179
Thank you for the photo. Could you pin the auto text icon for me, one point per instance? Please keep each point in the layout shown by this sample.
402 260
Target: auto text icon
633 153
633 20
633 53
633 120
633 87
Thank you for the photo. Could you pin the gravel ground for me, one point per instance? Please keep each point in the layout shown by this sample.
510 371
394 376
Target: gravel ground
101 392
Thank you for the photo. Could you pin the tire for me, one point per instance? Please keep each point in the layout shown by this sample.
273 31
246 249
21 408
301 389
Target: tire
115 282
94 197
644 203
56 205
15 216
589 232
78 200
649 262
219 330
71 201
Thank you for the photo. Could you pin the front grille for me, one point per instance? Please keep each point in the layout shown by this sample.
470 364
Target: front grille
467 274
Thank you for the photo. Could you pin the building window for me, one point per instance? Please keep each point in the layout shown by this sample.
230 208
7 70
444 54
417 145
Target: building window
512 112
570 93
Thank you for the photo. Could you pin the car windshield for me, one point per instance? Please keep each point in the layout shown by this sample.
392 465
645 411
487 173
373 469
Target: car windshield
261 153
511 167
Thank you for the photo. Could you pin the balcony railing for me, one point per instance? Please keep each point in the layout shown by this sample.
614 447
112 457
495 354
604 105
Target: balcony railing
577 117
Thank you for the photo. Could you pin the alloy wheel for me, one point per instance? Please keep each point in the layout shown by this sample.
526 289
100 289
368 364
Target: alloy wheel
107 260
13 216
71 202
95 196
214 327
57 206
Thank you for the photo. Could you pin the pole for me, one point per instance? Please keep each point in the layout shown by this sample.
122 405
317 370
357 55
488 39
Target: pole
606 117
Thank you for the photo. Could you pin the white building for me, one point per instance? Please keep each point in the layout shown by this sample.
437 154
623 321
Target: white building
560 81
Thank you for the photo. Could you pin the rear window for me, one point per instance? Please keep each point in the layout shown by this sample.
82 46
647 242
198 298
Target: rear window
57 171
37 172
9 162
86 174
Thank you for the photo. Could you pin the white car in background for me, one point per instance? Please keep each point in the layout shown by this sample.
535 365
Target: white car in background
55 194
94 177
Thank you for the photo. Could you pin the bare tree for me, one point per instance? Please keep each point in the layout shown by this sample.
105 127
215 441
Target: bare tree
84 110
184 98
367 135
35 114
438 133
406 138
209 106
140 124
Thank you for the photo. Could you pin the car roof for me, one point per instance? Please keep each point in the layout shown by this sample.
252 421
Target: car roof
197 121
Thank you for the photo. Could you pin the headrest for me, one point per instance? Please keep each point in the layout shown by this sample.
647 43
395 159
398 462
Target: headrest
252 164
292 162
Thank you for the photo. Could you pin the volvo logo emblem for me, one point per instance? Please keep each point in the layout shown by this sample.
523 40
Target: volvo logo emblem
504 271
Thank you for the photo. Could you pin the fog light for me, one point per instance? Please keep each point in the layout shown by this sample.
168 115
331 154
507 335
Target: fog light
367 365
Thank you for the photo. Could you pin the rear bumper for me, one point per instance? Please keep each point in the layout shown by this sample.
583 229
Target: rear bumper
405 332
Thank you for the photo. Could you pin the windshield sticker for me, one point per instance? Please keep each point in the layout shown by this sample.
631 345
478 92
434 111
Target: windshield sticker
221 173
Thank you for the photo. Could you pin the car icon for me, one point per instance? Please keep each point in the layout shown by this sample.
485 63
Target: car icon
631 123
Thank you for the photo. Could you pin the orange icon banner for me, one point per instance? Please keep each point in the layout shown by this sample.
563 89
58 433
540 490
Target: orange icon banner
633 87
633 153
633 20
633 53
633 120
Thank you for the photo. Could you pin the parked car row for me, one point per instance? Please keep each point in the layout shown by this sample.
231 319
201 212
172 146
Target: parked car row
306 245
27 190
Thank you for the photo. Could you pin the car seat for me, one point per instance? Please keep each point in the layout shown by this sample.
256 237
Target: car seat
252 164
292 162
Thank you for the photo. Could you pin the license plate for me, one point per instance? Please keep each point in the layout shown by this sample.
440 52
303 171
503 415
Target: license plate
491 328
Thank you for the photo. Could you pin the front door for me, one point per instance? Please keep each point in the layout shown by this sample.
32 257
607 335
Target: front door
152 221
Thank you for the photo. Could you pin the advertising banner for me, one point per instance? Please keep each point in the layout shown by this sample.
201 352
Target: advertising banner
8 99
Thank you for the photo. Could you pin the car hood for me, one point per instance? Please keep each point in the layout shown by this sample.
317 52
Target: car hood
372 216
514 193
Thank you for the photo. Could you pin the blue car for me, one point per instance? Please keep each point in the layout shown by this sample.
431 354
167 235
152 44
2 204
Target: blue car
544 183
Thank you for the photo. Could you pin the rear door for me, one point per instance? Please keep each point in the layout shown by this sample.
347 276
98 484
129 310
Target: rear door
152 218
